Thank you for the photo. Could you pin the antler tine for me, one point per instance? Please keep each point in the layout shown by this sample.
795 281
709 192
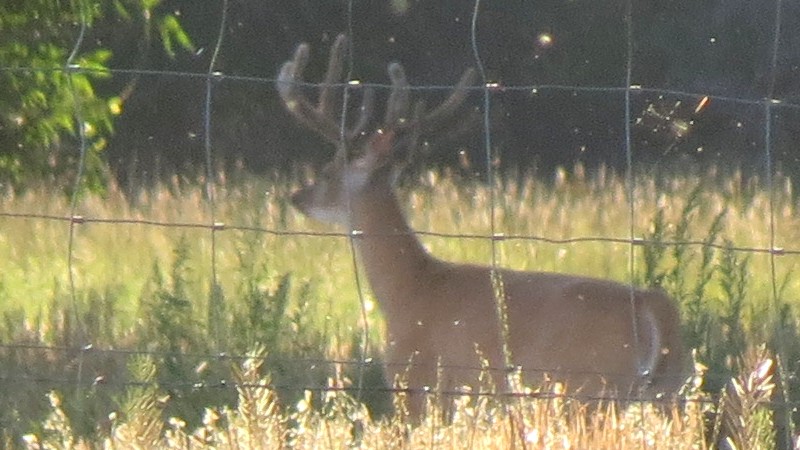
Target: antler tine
364 114
416 132
326 103
333 74
398 103
451 104
322 117
290 79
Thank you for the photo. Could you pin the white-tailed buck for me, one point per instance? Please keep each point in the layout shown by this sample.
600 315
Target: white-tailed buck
598 337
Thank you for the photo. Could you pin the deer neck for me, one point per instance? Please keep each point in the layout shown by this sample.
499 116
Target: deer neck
393 258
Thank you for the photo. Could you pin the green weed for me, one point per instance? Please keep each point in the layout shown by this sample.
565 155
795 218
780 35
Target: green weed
145 287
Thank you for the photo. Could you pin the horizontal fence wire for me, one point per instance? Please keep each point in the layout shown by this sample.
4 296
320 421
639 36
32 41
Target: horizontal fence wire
240 358
326 365
103 381
214 78
219 226
494 88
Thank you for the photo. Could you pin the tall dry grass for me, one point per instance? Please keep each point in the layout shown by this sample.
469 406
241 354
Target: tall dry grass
135 261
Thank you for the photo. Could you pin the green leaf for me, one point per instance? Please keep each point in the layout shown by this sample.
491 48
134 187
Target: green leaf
121 10
149 5
171 31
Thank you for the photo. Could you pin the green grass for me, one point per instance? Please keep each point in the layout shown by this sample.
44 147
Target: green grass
34 251
150 288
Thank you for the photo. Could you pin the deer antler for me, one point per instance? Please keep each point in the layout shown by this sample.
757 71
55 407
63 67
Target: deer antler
324 120
321 117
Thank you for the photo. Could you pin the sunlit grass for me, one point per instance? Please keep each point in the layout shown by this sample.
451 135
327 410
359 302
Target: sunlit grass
259 238
121 256
336 420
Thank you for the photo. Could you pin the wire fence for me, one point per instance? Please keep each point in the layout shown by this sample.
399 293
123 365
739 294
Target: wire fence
214 227
110 383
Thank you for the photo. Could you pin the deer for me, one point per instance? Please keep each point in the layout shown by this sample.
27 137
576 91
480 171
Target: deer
595 337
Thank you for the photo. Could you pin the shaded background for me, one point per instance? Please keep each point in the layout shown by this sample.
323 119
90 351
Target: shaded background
717 48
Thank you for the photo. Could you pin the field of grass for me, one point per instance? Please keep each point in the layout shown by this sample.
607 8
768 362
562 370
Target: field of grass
163 309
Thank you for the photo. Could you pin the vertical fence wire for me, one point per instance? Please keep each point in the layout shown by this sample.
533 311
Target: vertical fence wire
70 68
496 278
353 234
211 77
630 181
630 177
782 415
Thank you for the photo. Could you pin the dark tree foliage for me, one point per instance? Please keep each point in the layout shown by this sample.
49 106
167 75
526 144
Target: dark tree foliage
701 47
54 61
684 50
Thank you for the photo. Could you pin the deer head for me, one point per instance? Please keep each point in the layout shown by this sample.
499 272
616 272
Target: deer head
368 155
